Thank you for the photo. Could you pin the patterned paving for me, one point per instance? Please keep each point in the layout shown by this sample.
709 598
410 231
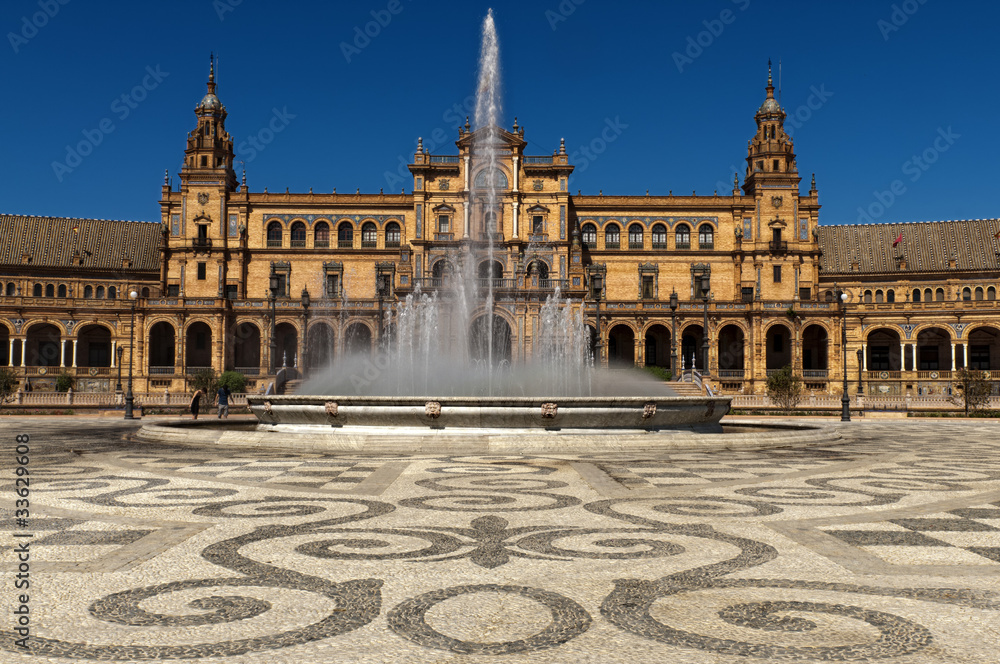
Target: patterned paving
885 547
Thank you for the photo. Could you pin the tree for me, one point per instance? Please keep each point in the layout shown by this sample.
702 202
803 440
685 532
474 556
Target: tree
64 381
8 384
206 381
784 388
234 380
972 389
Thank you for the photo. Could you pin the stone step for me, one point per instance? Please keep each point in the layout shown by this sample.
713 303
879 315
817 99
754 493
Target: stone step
686 389
292 387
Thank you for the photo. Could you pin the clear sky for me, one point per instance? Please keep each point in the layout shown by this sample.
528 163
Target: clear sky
896 102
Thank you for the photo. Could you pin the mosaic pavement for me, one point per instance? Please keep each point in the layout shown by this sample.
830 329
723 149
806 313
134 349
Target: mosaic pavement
885 547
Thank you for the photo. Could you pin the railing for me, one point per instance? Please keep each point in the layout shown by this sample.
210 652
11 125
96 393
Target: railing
822 374
444 159
94 371
321 244
444 237
732 373
612 244
392 244
884 375
529 161
298 244
635 246
590 245
934 375
682 246
190 371
205 242
778 246
369 244
551 284
247 371
274 244
659 245
706 246
345 244
113 400
771 372
496 282
162 371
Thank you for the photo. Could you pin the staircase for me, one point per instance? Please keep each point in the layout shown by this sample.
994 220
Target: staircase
292 387
686 389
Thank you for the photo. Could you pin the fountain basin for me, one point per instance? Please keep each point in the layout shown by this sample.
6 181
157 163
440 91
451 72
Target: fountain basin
496 415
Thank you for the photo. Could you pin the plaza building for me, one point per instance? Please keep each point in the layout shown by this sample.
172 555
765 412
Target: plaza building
275 285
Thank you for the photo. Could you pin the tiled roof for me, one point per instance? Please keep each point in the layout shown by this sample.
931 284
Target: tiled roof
927 246
100 243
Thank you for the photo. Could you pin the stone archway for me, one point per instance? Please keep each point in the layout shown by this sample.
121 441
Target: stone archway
731 354
501 337
320 346
621 345
286 339
162 344
93 346
692 348
657 346
246 349
883 350
778 351
815 349
42 346
357 339
198 347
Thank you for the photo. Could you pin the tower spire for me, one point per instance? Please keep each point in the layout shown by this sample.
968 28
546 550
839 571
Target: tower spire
211 73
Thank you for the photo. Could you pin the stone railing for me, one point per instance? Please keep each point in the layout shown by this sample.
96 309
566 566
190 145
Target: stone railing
892 402
111 399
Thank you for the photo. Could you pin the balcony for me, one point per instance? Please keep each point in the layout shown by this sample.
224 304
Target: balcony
444 159
298 244
706 246
635 246
162 371
778 246
369 244
682 246
660 245
202 243
496 283
537 161
590 245
612 244
247 371
392 244
731 374
815 374
321 244
273 244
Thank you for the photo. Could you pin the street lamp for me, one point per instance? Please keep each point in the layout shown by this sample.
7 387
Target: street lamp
673 336
706 286
274 343
845 401
381 283
129 397
304 362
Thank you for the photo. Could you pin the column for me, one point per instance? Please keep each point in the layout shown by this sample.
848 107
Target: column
467 173
515 204
864 357
62 354
74 353
515 175
965 349
902 356
24 352
466 207
114 357
10 355
953 356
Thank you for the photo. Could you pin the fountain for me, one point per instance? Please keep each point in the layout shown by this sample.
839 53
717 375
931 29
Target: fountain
446 375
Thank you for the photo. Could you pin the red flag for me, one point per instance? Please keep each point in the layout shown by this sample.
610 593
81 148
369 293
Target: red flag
898 239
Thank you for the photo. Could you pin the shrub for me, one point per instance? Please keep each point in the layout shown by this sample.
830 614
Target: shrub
205 381
64 381
8 384
784 388
234 380
972 389
660 372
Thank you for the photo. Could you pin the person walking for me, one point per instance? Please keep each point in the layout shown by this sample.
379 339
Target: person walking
222 399
196 404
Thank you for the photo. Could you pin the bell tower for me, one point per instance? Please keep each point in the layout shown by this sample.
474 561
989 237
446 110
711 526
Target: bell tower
770 156
209 153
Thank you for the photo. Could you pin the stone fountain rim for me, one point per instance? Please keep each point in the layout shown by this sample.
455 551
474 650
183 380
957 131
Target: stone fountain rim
491 401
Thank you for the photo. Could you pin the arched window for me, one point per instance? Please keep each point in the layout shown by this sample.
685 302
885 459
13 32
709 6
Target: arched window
991 293
682 237
37 290
392 234
321 235
879 297
916 294
928 295
538 268
966 294
61 291
868 297
11 289
439 272
112 292
145 292
979 292
890 295
500 180
612 236
345 235
100 293
50 291
369 236
659 236
939 295
635 236
88 292
829 296
274 234
298 234
706 237
589 236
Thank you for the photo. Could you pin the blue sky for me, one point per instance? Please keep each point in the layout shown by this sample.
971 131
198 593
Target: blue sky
895 102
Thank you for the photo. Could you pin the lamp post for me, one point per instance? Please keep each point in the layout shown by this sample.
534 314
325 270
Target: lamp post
304 361
129 397
272 357
706 286
118 386
380 289
673 336
845 401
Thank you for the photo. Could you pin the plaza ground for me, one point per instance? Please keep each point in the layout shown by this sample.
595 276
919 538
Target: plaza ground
884 546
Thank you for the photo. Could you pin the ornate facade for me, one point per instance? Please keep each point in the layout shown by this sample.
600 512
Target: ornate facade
754 262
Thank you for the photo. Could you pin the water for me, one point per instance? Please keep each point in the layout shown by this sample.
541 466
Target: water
453 341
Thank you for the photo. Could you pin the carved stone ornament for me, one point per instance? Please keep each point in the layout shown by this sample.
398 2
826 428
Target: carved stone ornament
538 185
776 201
203 198
432 409
648 411
549 411
444 184
267 408
331 408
